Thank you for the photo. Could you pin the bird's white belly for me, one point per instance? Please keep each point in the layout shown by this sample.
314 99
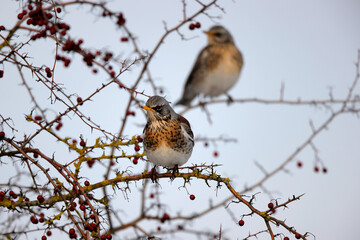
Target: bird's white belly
218 82
167 157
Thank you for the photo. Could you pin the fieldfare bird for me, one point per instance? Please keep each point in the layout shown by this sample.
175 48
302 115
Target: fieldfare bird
168 139
217 67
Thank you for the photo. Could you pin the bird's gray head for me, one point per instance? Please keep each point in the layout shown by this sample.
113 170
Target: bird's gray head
218 34
159 109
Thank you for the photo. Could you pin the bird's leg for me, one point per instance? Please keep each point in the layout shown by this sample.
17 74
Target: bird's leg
153 175
229 100
174 170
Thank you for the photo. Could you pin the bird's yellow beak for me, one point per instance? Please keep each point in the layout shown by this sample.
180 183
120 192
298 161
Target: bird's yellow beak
146 108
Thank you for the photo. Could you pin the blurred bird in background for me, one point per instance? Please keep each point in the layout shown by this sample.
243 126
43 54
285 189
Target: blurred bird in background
217 68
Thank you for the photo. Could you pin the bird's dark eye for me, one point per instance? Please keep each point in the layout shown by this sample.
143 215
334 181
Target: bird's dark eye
157 108
217 34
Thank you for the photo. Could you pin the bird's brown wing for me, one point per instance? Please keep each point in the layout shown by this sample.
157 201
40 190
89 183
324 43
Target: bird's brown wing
202 64
185 123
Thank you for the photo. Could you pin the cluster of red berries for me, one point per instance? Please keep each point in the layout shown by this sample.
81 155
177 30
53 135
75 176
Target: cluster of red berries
120 19
13 194
124 39
48 233
64 59
38 118
41 219
59 124
71 45
88 58
192 26
48 72
106 236
72 233
316 168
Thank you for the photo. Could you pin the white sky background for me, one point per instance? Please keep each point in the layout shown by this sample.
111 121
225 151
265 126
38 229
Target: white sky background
310 46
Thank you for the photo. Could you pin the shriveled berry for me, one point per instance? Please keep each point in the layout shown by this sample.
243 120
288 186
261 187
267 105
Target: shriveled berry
2 135
241 222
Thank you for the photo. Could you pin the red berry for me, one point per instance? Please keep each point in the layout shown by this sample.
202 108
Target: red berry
24 12
128 112
108 236
216 154
206 144
324 170
2 135
38 118
40 198
286 238
159 228
41 220
27 199
47 69
137 148
1 73
82 207
74 141
139 139
20 16
192 26
82 143
241 222
87 183
192 197
135 160
299 164
94 70
112 163
151 195
11 193
58 126
316 169
297 236
124 39
92 216
197 25
58 10
71 231
2 27
48 233
112 74
79 100
271 205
